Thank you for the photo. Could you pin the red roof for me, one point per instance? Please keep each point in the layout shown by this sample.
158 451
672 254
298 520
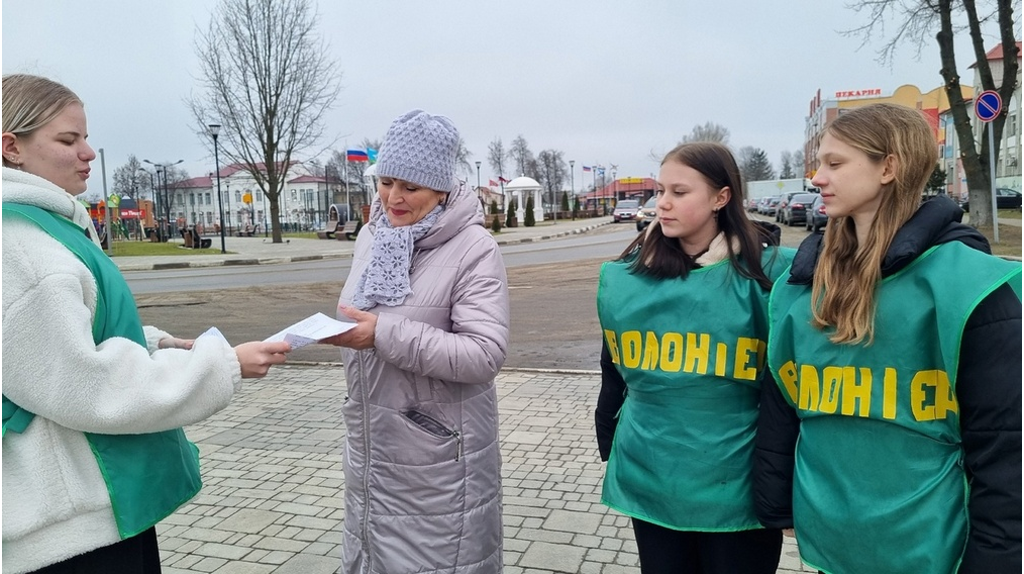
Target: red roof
196 182
308 179
997 53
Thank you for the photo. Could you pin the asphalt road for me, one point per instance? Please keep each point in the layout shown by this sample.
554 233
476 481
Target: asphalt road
554 316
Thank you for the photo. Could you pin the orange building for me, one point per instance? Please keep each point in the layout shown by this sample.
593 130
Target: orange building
822 111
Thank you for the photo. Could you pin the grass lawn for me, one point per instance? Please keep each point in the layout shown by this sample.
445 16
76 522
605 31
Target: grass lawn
148 248
1009 239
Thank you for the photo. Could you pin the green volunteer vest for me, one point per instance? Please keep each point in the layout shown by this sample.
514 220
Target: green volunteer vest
692 352
148 476
880 485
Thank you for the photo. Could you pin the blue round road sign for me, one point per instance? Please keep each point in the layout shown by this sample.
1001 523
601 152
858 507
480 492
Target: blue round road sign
987 105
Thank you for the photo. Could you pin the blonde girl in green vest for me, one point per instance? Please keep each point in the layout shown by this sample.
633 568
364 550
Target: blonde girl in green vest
684 319
93 402
896 344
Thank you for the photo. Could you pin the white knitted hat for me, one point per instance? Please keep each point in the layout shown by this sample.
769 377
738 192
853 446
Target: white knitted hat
420 148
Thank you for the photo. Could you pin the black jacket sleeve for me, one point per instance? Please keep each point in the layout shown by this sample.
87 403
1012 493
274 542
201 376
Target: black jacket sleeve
613 394
777 430
988 389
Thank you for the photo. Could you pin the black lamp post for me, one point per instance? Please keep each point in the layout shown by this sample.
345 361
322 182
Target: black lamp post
166 204
214 132
479 193
572 187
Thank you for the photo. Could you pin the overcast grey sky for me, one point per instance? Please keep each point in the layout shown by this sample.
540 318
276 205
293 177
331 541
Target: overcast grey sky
603 82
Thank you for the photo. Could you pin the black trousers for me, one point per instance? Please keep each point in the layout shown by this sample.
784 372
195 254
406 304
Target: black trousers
666 551
136 555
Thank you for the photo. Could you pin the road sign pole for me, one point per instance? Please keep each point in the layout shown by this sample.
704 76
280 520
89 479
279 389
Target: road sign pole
987 106
992 181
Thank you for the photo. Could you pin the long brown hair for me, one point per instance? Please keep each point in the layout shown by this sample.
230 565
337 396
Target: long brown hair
847 274
663 257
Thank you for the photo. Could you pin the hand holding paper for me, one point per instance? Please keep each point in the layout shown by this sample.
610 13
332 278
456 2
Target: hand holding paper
310 330
361 336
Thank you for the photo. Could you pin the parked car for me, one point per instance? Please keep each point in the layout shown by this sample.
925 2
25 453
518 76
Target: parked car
795 212
626 210
772 207
752 203
816 218
762 204
1006 198
783 203
646 214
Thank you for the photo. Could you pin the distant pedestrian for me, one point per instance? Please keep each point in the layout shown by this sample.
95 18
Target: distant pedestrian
93 402
896 343
684 312
429 294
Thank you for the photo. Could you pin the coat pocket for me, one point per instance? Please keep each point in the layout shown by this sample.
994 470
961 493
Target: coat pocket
435 427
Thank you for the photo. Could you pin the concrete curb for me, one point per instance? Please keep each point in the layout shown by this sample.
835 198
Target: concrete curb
160 266
226 262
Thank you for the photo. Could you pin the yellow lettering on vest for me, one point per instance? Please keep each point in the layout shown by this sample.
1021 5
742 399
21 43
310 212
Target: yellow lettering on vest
945 399
721 356
889 393
809 388
787 375
696 360
749 357
650 352
857 393
630 349
613 345
671 352
937 404
832 381
919 405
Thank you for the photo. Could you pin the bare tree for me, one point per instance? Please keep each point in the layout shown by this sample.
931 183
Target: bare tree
520 154
916 21
709 132
496 156
799 163
131 181
462 156
266 78
553 172
786 170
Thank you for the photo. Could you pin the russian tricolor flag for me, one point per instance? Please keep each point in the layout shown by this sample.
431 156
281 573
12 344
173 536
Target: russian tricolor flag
586 168
356 155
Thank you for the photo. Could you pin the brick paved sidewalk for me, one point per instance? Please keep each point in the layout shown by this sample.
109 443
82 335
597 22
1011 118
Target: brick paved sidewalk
273 502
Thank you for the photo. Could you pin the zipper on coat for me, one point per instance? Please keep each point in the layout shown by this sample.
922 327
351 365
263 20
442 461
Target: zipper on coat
436 428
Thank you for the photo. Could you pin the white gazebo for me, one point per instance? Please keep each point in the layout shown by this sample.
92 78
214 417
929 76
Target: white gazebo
521 188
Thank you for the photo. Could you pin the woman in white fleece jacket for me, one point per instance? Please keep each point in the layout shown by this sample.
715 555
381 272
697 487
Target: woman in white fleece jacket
93 402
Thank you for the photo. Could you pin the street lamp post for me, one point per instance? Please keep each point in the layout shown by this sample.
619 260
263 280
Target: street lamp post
166 203
479 193
572 187
156 198
214 132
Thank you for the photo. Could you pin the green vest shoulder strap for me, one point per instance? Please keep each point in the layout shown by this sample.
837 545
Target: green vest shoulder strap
148 476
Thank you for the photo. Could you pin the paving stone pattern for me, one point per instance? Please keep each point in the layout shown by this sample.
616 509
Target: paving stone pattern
273 495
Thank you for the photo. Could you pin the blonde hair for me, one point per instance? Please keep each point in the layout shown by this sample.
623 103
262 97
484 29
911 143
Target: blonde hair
31 102
847 274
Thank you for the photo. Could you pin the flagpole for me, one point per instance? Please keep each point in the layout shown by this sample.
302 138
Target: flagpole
348 199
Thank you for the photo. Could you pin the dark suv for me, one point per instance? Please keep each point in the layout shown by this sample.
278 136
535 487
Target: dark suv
795 212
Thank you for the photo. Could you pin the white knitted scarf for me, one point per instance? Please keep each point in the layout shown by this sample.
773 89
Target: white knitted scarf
386 278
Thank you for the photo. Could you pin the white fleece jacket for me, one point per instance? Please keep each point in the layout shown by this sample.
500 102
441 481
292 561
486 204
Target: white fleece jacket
55 502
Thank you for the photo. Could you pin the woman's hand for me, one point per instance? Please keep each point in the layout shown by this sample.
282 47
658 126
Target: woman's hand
176 343
359 337
257 357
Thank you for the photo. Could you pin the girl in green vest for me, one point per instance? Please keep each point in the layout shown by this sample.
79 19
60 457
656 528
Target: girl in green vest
684 318
93 401
896 344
